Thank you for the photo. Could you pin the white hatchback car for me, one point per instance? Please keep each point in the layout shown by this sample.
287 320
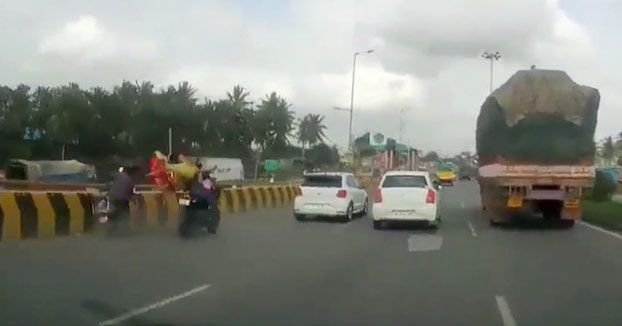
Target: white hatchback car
407 196
330 194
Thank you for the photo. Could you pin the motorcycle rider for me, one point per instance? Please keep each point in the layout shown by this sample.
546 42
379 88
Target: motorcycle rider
203 188
210 188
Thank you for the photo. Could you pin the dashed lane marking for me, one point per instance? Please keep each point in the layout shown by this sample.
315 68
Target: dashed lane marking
472 229
140 311
424 242
504 309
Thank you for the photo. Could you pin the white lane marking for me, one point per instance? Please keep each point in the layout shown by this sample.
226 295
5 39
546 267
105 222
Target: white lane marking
504 309
140 311
424 242
472 229
598 228
462 204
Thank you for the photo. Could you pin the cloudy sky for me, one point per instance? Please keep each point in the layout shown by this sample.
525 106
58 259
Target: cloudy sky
427 61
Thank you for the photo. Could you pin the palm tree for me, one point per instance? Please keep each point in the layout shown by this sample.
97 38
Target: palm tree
238 97
311 130
618 145
608 150
273 121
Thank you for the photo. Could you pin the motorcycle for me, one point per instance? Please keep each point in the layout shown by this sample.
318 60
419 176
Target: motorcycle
196 213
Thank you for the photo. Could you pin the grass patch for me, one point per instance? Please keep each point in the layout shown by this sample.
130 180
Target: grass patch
606 214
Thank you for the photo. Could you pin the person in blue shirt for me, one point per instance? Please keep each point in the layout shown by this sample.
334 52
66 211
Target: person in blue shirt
120 194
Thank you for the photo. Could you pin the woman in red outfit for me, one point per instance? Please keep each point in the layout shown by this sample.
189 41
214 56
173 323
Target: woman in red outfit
158 175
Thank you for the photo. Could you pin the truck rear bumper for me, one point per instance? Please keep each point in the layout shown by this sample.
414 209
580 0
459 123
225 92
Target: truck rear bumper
529 210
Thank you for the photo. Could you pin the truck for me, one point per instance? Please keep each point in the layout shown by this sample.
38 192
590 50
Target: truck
536 150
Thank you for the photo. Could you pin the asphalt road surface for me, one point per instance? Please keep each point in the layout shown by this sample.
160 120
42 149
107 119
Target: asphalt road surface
264 268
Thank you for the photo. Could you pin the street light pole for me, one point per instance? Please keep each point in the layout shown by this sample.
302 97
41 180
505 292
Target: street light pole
352 96
401 122
492 57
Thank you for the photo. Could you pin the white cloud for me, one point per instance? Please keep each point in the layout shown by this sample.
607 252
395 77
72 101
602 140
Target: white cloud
427 54
87 40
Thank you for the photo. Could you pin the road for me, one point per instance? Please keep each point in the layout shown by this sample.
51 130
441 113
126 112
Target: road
264 268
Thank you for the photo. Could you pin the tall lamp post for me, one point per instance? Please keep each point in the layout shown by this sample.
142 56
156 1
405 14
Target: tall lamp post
492 56
401 123
352 95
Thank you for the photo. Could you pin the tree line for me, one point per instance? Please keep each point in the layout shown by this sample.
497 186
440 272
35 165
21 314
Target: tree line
133 119
610 150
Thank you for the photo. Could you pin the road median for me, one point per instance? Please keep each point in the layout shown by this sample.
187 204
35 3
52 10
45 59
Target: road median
44 214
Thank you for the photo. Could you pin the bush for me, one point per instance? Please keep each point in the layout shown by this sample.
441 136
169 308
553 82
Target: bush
604 187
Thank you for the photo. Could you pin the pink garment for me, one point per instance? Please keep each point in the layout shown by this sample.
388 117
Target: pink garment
207 183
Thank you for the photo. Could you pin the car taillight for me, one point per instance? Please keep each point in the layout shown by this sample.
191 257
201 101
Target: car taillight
431 197
378 196
342 193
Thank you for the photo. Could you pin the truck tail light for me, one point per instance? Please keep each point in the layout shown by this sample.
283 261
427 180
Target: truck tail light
431 197
378 195
342 193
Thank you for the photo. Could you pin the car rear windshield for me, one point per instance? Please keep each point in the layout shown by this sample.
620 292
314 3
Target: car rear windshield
404 181
322 181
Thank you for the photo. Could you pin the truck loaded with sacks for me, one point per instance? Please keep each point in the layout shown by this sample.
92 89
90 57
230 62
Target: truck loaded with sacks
535 143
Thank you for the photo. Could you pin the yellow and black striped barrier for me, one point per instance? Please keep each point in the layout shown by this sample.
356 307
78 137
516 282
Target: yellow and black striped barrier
39 214
243 199
154 208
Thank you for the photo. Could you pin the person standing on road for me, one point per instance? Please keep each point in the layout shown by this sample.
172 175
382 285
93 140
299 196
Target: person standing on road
121 192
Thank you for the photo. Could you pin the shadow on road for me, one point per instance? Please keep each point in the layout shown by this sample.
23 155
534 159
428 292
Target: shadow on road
328 219
529 224
409 226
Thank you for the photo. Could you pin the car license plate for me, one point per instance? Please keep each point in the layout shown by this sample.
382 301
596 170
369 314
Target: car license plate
404 212
184 202
315 205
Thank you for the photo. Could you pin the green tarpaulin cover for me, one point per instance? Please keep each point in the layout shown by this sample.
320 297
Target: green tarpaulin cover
538 117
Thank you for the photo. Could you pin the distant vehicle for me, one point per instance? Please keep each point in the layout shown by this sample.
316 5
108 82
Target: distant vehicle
70 171
466 174
330 194
407 196
227 169
446 175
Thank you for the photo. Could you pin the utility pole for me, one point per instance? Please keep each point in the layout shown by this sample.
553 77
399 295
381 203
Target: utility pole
401 123
492 56
170 141
352 96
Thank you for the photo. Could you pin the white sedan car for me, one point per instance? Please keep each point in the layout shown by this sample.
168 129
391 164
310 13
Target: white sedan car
330 194
407 196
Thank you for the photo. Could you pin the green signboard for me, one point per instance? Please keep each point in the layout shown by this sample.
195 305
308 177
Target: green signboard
271 165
